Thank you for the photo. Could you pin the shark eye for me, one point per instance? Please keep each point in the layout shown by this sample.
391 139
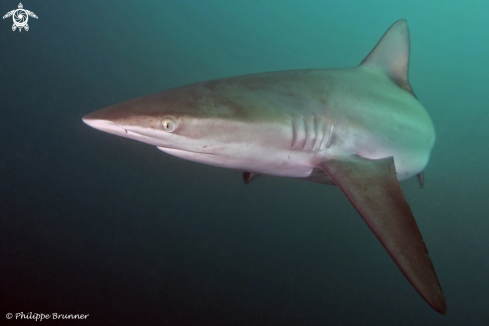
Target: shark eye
168 124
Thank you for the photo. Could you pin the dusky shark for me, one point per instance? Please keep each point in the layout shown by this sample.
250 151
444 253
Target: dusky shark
359 128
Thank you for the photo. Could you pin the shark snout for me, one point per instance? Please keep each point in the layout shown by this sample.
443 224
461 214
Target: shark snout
94 120
103 121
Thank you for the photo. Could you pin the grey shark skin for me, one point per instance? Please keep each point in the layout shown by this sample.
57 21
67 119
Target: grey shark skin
360 128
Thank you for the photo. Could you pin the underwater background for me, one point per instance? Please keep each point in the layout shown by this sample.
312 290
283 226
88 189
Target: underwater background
91 223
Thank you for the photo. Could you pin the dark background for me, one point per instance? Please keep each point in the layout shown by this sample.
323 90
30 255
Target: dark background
95 224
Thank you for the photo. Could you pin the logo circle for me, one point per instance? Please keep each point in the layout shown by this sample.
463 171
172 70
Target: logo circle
20 17
9 315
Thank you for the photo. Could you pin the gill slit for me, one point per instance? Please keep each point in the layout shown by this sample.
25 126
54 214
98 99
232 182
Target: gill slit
330 136
294 133
320 133
305 129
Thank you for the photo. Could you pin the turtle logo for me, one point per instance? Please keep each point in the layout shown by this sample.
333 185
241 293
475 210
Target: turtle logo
20 17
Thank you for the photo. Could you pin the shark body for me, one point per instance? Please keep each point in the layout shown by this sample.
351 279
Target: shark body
359 128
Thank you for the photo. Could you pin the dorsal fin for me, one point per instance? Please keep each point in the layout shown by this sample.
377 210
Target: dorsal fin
391 54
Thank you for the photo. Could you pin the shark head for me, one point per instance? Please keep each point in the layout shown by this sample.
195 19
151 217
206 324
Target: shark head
208 123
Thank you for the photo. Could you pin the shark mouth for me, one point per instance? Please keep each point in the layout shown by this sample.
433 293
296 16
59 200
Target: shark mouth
174 151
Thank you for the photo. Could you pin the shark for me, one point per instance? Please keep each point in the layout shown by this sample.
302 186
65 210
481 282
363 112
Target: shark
361 129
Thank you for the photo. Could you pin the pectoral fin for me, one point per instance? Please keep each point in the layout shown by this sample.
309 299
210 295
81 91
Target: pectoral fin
373 189
249 176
